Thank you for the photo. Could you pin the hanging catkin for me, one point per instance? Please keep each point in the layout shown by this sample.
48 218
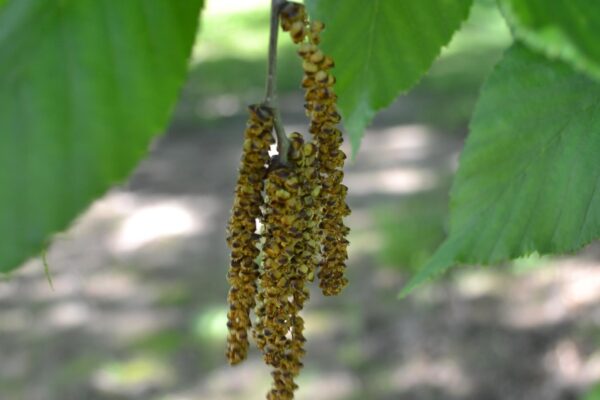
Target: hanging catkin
300 204
324 118
242 237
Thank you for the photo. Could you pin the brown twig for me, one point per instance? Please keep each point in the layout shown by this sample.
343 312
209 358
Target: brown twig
270 101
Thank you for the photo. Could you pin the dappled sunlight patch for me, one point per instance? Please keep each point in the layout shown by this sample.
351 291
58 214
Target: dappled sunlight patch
475 283
225 105
321 323
67 314
364 237
421 371
141 220
569 366
117 203
531 314
560 290
155 222
133 377
330 385
579 285
565 362
364 242
395 180
144 219
246 381
398 143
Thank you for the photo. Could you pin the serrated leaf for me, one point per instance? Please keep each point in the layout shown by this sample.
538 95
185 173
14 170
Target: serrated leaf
382 48
529 176
84 86
565 29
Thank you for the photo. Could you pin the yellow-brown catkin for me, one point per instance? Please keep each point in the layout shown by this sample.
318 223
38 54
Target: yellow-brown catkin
290 229
276 311
301 206
324 118
242 237
303 157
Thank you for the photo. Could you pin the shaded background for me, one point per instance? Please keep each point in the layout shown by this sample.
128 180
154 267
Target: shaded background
138 308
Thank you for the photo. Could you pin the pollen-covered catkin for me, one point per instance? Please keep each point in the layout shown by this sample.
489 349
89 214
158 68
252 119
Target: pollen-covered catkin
291 228
242 237
304 158
324 118
300 204
283 231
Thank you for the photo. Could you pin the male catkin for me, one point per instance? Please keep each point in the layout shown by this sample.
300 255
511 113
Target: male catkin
300 204
242 237
321 109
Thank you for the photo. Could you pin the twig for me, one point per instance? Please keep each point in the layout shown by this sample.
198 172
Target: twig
270 101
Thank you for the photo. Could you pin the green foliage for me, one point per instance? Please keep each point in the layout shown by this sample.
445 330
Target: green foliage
84 86
382 47
567 29
529 177
452 85
593 394
162 343
411 231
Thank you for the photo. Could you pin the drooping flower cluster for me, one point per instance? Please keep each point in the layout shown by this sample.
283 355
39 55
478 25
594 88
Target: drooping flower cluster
300 205
324 118
242 237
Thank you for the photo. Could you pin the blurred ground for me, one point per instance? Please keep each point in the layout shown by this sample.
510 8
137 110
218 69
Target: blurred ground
139 299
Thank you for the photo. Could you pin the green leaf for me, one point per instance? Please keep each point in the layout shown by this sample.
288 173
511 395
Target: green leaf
381 48
84 86
529 176
565 29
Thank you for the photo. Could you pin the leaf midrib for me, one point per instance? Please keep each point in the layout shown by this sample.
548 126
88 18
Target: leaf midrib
370 44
